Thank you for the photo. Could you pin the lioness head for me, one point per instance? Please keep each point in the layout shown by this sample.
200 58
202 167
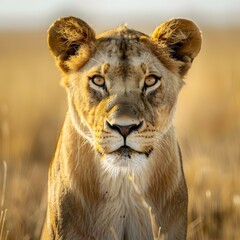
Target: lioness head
123 85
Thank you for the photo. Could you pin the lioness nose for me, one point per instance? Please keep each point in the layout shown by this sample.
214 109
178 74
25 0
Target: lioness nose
125 130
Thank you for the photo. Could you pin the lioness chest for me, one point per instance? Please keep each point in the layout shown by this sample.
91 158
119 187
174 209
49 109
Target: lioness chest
122 212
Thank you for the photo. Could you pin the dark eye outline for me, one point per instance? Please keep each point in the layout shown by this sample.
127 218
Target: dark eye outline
98 85
157 78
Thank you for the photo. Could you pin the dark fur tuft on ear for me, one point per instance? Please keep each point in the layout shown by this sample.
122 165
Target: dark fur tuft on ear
183 39
68 37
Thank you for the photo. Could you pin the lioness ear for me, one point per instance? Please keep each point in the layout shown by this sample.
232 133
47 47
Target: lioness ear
183 39
68 37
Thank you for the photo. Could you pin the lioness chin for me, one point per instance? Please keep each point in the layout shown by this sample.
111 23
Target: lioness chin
122 88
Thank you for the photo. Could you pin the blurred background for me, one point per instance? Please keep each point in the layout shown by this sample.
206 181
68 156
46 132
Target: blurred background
33 106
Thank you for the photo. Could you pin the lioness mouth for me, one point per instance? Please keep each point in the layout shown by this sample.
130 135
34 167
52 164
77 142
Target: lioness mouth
126 151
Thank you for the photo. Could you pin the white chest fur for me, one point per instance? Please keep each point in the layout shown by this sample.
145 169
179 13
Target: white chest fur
123 209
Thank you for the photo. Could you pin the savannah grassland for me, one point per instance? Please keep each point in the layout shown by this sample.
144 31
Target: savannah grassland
32 109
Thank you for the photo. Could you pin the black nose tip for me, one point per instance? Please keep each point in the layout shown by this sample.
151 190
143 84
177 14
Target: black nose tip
125 130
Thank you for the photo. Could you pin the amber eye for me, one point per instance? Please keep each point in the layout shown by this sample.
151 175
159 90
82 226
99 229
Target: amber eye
151 80
98 80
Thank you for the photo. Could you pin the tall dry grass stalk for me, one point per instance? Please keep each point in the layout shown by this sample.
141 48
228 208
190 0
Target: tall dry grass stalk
113 231
4 183
3 211
193 226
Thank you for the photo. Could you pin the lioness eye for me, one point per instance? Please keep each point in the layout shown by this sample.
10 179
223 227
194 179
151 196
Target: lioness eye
98 80
151 80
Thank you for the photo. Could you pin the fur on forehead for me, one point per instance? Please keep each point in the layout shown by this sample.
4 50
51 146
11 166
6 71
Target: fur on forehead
126 38
121 31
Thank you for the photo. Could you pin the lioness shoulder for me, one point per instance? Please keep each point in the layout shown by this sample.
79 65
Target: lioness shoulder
122 87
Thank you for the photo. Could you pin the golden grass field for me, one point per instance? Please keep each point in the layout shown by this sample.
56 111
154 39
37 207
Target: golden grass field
32 109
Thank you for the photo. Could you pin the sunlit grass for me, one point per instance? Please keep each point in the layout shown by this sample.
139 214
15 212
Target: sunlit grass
32 109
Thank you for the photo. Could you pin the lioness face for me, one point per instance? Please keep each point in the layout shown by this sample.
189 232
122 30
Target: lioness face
125 96
122 86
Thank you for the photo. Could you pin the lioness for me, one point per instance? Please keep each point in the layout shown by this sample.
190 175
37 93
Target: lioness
122 87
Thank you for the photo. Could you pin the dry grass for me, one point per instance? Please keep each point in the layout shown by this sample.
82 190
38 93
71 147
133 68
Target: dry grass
32 108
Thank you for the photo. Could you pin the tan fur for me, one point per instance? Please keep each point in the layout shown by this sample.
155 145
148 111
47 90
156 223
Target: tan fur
89 190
